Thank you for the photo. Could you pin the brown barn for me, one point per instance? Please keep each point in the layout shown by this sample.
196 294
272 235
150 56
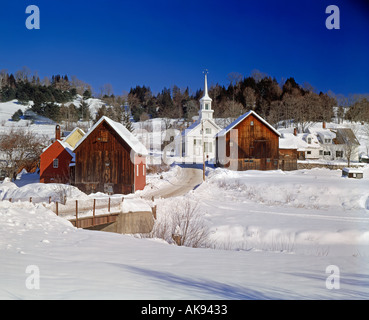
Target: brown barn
110 159
248 143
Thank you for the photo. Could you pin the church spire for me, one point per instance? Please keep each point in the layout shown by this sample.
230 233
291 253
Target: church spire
205 101
206 84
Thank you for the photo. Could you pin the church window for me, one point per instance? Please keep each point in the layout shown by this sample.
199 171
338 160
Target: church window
206 106
208 130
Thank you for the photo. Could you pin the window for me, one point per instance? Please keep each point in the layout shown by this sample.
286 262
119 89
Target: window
206 106
327 153
309 140
339 154
103 136
327 140
208 146
137 170
308 152
143 170
251 123
56 163
320 152
208 130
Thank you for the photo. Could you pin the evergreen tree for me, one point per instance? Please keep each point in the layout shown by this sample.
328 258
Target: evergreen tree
17 115
127 121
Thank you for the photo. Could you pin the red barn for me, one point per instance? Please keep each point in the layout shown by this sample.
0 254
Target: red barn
110 159
55 161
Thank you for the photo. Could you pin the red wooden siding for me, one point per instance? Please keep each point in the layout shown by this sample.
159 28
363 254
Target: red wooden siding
49 174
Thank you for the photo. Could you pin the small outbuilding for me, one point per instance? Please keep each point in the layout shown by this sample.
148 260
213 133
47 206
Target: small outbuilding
354 173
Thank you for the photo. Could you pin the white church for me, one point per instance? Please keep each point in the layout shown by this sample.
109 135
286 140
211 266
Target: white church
197 142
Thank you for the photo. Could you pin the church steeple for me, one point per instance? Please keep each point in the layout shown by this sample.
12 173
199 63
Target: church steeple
205 102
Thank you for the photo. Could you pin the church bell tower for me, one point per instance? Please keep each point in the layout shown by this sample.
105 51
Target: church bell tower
205 102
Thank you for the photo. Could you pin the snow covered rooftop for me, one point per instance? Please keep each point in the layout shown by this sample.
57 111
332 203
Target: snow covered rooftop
122 131
240 119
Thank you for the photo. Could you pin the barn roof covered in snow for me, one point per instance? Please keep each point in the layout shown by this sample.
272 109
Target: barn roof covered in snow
243 117
122 131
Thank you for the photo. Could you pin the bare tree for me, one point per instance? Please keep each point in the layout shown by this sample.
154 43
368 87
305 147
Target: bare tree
184 225
250 98
189 225
21 149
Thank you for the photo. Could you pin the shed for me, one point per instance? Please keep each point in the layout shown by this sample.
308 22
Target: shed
110 159
248 143
354 173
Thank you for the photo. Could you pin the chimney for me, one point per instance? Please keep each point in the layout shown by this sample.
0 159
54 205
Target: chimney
57 132
324 125
295 131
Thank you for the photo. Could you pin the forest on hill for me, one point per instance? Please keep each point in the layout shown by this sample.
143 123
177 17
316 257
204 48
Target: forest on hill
275 101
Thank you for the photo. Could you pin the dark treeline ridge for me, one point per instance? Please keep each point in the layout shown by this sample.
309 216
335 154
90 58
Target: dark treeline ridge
285 102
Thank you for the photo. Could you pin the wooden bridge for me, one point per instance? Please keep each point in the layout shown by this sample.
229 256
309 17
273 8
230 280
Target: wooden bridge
106 215
94 221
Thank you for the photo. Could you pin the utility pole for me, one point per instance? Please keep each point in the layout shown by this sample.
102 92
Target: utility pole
203 150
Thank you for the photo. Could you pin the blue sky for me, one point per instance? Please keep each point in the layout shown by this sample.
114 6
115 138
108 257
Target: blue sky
162 43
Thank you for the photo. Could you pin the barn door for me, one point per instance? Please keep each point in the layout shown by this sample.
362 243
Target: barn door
261 151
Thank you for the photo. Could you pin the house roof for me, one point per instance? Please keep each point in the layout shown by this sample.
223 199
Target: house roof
122 131
346 136
63 142
243 117
72 138
197 123
322 133
299 142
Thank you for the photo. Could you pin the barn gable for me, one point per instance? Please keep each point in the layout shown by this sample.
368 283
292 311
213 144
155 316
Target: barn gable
242 118
122 132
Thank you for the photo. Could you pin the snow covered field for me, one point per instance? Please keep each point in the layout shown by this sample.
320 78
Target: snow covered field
272 236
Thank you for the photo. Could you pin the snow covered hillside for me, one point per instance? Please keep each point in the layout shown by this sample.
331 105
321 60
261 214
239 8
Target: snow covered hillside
273 235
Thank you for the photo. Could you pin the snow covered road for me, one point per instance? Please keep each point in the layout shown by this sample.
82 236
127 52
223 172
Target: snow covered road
185 180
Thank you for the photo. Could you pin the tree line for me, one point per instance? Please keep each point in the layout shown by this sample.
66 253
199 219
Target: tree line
275 102
280 103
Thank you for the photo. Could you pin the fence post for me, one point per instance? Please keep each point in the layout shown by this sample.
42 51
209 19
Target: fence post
10 199
30 199
93 219
76 213
49 199
109 205
57 207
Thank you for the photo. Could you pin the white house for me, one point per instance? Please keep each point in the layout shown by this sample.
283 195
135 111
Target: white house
337 144
197 142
